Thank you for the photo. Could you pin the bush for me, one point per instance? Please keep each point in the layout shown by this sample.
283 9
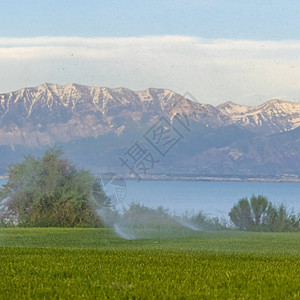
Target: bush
280 219
138 216
204 222
50 191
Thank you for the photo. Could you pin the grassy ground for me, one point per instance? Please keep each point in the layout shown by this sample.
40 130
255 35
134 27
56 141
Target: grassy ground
94 263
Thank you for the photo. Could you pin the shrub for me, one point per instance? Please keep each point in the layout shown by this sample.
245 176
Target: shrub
204 222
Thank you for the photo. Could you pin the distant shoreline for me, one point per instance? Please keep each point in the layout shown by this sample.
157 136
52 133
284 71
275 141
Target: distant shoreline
213 179
204 178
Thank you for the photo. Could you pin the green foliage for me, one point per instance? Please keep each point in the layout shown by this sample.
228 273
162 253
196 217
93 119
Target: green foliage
141 222
280 219
204 222
137 215
259 206
50 191
259 214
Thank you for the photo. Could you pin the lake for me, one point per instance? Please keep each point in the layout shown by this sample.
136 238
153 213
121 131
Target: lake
213 198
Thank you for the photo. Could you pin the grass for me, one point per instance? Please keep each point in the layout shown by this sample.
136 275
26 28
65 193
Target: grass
53 263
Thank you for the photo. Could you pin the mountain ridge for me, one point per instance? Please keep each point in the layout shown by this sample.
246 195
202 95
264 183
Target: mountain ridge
96 124
87 111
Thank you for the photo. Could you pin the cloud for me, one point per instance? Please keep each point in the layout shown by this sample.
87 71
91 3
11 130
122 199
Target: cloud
214 71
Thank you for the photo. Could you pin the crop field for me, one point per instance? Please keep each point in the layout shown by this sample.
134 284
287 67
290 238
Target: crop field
48 263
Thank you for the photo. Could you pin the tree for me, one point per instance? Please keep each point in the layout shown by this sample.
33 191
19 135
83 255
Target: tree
50 191
241 214
259 206
259 214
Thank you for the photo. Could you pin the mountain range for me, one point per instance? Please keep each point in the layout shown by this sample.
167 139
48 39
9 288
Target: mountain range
97 126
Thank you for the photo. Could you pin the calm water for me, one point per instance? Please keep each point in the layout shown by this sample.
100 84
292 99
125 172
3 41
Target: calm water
213 198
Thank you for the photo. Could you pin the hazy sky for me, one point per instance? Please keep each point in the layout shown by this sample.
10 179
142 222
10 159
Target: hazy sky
243 51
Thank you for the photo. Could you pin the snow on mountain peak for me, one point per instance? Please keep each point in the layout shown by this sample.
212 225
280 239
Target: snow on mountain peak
274 114
231 108
75 100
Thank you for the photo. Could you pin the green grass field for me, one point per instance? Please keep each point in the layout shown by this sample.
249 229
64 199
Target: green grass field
95 264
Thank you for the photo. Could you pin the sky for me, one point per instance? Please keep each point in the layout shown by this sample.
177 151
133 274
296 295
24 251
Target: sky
234 50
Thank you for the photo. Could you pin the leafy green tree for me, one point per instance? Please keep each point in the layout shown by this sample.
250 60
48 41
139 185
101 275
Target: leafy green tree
259 206
50 191
241 214
259 214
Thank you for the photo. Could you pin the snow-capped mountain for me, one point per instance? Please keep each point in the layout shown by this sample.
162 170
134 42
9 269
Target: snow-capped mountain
97 124
50 113
274 115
